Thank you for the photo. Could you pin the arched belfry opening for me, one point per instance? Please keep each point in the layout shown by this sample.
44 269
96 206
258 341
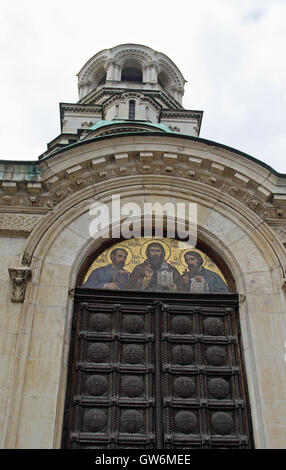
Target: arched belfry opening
156 359
99 77
132 72
163 80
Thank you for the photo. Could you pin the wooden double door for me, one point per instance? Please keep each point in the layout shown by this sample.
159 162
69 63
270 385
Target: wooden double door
156 371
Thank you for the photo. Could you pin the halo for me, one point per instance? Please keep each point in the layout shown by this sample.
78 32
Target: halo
183 252
129 258
145 245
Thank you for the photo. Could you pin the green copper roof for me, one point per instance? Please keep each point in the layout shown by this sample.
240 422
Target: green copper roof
159 126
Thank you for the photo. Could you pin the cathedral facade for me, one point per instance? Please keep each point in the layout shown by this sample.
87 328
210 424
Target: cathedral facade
114 335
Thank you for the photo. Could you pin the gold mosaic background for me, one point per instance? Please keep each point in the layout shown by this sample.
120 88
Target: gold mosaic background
136 248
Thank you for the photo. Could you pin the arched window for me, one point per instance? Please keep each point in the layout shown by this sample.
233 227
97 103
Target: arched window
102 81
131 112
131 74
147 112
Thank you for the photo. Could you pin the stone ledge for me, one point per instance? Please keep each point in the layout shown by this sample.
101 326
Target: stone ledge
15 222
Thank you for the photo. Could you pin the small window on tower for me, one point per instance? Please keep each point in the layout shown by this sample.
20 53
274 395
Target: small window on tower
131 114
147 112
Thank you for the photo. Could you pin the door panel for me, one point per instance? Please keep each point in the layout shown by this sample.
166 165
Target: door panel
156 371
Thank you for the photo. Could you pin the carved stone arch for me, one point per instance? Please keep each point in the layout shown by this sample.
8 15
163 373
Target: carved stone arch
254 229
92 75
99 77
90 69
164 80
212 233
136 54
60 246
80 201
173 76
93 245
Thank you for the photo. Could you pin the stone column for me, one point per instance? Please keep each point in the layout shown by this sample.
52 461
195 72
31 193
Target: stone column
83 88
113 71
150 73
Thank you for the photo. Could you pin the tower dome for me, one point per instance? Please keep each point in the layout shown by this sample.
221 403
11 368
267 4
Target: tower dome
129 66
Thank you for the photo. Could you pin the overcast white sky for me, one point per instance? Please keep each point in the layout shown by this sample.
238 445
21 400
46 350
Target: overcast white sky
231 52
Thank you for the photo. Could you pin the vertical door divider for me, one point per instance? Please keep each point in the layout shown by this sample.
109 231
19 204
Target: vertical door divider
159 409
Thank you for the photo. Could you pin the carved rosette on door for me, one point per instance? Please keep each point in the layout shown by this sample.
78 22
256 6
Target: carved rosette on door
153 372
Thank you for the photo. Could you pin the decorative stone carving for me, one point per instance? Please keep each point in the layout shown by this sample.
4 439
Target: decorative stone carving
242 298
18 222
19 278
281 232
26 259
86 124
174 129
71 293
64 187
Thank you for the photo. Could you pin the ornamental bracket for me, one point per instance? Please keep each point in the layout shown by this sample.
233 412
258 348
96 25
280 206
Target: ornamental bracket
19 278
242 298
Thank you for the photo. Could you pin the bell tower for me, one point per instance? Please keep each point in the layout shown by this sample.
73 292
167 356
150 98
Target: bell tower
127 88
